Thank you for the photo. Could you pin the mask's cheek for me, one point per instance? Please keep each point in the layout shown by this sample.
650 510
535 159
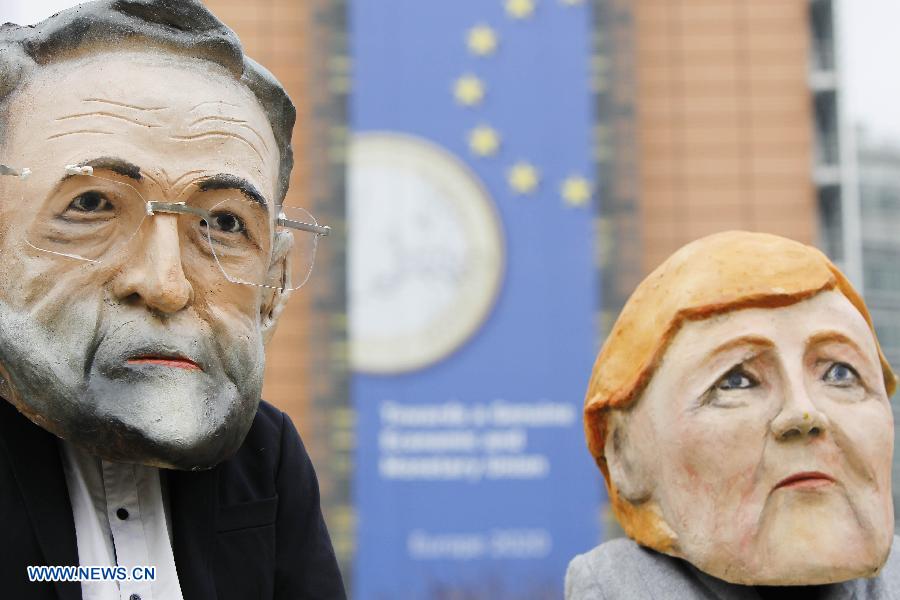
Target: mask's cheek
50 312
709 489
863 433
45 351
237 335
860 443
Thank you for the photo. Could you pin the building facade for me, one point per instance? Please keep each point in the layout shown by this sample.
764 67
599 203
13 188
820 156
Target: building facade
879 194
717 115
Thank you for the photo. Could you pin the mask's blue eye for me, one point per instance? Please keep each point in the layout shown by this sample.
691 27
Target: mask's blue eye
840 374
736 379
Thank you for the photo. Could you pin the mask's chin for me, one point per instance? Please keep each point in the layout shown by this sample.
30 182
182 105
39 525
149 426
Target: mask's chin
120 442
182 420
153 415
813 540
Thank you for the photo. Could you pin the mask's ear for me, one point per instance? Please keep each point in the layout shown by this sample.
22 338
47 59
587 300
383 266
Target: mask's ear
275 298
626 457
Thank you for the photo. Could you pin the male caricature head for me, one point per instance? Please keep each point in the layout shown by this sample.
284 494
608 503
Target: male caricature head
144 267
739 412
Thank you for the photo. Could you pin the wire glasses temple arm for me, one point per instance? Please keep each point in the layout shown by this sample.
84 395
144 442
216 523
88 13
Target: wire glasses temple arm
7 170
322 230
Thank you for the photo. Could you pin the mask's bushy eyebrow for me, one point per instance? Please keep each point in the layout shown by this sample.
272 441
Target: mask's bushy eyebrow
226 181
118 166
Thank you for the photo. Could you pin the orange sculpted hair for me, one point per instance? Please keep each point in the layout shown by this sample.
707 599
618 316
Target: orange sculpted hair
713 275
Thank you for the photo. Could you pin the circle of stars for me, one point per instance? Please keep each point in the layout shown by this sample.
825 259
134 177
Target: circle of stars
484 141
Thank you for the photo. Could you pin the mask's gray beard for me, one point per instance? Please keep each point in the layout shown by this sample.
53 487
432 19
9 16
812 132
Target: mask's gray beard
36 370
67 382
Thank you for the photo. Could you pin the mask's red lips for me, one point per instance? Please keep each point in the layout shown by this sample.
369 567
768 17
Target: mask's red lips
805 480
176 362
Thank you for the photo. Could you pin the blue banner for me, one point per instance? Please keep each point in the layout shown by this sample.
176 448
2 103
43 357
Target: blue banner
473 294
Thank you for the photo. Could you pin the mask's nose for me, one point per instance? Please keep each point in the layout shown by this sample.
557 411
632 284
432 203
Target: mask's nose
154 273
799 417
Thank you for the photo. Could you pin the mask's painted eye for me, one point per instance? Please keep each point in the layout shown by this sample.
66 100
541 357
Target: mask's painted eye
91 202
736 379
841 374
225 222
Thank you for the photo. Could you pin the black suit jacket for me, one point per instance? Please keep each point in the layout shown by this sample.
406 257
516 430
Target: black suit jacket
249 529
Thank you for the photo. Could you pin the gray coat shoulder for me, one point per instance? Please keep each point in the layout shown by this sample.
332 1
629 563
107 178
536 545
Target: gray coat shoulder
621 569
890 573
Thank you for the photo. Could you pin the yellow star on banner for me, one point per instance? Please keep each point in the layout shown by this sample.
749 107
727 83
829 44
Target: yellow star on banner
484 140
482 40
469 90
523 178
520 9
576 191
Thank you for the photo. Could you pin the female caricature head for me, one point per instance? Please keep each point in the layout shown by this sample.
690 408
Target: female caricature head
739 413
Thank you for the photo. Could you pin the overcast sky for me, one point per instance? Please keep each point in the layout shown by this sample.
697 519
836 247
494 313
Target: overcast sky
870 49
